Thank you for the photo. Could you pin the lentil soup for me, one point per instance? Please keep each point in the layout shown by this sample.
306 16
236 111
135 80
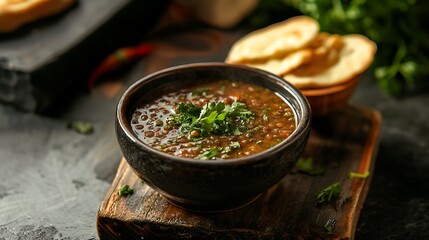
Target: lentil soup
214 120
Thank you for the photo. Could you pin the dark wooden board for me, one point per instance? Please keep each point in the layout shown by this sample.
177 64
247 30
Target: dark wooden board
344 142
47 59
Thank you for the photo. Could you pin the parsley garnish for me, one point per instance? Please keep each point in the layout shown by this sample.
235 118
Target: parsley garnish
209 154
200 91
265 117
214 118
125 191
232 145
235 145
305 165
328 193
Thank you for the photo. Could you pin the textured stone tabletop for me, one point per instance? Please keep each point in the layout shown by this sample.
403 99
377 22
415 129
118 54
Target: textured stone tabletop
53 179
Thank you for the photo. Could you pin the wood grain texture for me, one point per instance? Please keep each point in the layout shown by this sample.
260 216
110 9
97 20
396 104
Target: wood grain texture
344 142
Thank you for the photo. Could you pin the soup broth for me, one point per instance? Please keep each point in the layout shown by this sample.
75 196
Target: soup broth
214 120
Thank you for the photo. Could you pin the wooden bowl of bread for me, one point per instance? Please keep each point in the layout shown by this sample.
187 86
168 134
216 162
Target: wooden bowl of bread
324 67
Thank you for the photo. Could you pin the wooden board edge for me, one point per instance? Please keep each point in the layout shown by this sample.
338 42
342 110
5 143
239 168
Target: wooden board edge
366 165
106 203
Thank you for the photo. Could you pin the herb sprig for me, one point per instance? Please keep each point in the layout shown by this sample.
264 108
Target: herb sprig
328 193
125 191
215 118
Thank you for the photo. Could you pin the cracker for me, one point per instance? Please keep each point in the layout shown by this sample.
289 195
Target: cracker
275 40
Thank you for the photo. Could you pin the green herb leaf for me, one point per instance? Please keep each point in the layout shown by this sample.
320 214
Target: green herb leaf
265 117
125 191
358 175
200 91
214 118
209 154
239 110
226 150
306 165
328 193
80 127
189 109
235 145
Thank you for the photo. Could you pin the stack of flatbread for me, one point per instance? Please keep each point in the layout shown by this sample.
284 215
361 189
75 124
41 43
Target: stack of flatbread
296 50
16 13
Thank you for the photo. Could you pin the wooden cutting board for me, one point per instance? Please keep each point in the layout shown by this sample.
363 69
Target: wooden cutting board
341 143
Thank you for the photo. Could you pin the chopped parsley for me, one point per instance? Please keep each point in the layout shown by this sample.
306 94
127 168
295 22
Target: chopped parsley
329 193
235 145
306 165
125 191
210 154
358 175
215 118
232 145
200 92
265 117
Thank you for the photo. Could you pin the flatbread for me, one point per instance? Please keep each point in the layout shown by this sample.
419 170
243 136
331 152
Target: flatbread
275 40
284 64
317 49
340 65
324 43
15 13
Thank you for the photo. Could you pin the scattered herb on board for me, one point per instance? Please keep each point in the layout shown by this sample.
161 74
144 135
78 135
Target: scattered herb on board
214 118
306 165
80 127
329 193
330 226
125 191
358 175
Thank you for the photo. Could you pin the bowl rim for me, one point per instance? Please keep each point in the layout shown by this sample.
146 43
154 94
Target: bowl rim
302 125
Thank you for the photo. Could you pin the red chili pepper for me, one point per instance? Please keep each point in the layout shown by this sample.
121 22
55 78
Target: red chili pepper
117 59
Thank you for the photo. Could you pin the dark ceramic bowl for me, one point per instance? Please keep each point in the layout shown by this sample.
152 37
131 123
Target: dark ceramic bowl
210 185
